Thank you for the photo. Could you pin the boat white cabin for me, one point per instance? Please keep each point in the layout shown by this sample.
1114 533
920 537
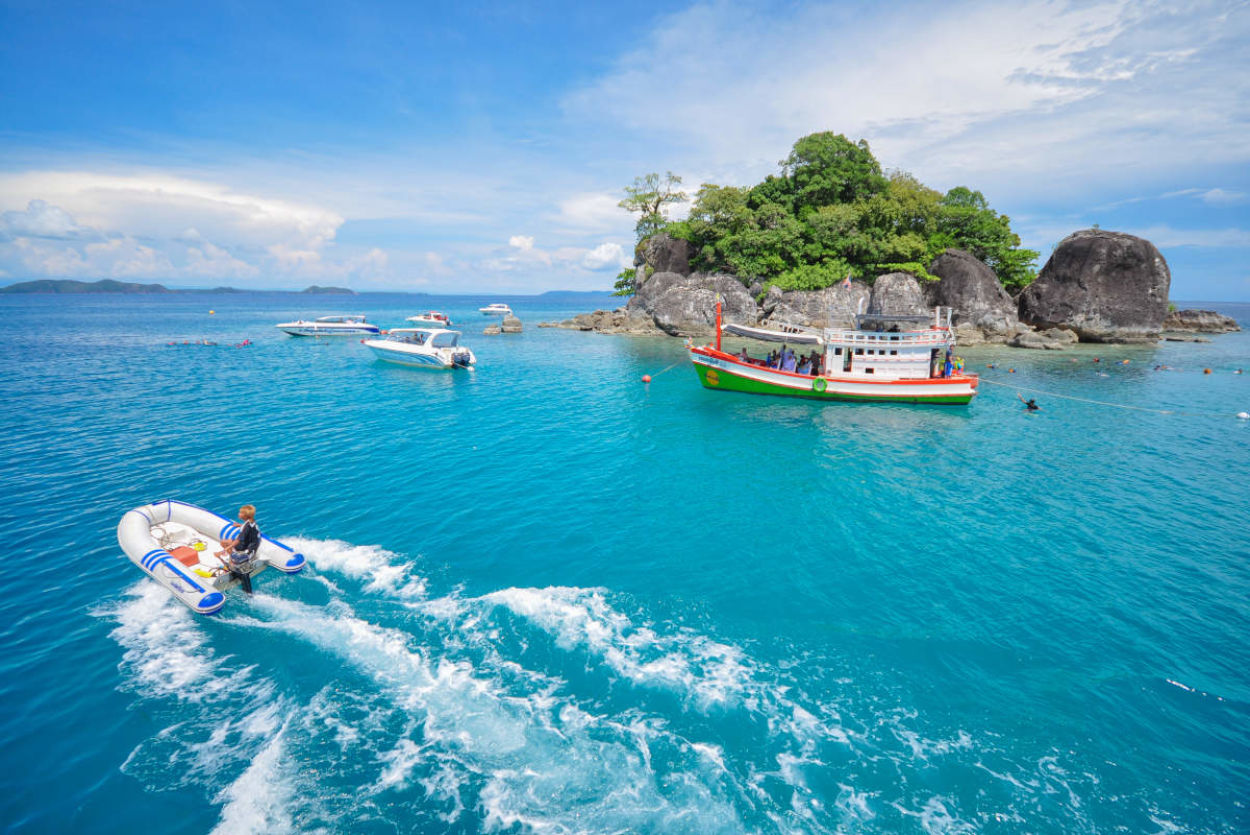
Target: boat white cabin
343 325
431 348
496 309
174 543
898 358
430 319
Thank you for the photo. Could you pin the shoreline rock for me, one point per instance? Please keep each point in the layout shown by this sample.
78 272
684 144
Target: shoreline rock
1097 286
1104 286
1199 321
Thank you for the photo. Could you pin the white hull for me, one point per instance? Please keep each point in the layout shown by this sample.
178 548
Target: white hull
174 542
310 329
416 356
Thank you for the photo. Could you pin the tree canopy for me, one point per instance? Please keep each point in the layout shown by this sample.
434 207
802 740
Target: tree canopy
832 212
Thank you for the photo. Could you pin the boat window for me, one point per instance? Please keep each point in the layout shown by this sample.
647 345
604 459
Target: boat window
859 351
893 353
868 370
837 352
418 338
444 340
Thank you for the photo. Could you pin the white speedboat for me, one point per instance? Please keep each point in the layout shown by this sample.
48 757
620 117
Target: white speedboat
432 348
496 309
174 543
430 319
330 326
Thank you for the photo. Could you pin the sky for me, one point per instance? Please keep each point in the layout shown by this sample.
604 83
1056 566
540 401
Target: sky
482 147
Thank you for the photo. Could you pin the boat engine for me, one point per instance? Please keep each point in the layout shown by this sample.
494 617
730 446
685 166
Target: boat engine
461 358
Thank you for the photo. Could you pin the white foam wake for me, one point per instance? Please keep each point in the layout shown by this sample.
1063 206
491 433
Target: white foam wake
383 571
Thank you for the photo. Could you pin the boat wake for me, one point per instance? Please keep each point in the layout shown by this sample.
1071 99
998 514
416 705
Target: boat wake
549 710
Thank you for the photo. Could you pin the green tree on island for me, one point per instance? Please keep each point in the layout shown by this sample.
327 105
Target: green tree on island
647 196
831 213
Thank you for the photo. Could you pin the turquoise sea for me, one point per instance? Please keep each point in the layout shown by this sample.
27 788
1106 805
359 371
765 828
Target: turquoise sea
545 597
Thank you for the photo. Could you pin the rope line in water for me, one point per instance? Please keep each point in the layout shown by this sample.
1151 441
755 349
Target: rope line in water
1105 403
670 368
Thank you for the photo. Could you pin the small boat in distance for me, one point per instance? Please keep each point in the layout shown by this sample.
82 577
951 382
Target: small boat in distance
496 309
890 358
174 543
353 325
430 348
430 319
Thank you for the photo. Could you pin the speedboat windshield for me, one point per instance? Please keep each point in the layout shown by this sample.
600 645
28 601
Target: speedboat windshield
446 339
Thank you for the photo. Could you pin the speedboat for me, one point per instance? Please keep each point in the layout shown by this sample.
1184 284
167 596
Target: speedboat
431 319
432 348
174 543
330 326
496 309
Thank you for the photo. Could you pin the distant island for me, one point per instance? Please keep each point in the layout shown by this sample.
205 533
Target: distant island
108 285
338 291
69 285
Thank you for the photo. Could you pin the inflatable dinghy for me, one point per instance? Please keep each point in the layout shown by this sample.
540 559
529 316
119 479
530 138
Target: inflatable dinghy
174 543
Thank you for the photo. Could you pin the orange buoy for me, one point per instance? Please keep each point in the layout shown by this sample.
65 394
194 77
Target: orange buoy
1011 371
212 312
1206 371
646 378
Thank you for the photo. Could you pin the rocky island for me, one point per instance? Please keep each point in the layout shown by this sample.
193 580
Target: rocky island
833 237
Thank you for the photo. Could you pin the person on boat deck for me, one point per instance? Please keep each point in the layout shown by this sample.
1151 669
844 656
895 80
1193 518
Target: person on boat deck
950 363
742 355
773 361
805 367
788 363
241 550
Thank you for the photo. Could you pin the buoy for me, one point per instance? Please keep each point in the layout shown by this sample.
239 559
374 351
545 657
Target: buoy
646 378
1123 362
1244 415
1011 371
1206 371
212 312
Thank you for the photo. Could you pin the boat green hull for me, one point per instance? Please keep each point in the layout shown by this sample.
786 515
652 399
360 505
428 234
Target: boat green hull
724 379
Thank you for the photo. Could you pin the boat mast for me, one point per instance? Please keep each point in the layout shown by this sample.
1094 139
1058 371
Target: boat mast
718 321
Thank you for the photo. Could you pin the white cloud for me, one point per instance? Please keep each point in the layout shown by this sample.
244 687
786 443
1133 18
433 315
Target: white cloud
521 242
593 212
1222 197
39 220
606 255
165 227
162 206
1038 95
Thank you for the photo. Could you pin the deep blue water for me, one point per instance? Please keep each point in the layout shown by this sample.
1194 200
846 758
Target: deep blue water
547 597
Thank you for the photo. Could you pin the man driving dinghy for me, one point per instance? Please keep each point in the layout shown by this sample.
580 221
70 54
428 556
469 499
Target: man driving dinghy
240 551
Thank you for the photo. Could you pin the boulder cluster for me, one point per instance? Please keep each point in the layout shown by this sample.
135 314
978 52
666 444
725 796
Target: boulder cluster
1097 286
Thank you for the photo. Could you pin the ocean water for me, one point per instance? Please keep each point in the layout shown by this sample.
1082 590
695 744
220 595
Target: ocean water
547 597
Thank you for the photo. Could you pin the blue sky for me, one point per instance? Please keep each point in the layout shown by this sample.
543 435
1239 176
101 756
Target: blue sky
458 147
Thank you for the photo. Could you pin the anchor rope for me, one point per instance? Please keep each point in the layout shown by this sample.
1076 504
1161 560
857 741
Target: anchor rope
1106 403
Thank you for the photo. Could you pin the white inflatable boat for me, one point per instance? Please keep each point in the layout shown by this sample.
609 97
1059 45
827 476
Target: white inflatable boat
174 543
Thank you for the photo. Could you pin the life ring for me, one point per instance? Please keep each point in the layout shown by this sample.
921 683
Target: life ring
819 385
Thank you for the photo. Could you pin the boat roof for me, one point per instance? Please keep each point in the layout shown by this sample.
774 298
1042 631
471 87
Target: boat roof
430 331
341 317
798 337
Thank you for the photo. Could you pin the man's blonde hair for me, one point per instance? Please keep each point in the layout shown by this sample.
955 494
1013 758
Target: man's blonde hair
248 513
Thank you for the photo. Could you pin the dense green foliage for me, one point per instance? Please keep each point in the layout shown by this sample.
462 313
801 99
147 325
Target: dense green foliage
648 196
624 285
831 213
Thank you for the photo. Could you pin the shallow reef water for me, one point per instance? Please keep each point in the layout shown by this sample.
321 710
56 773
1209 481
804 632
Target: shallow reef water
547 597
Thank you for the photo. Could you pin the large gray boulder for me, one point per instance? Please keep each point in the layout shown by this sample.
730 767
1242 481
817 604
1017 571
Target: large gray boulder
1199 321
833 307
510 324
689 308
897 294
1105 286
970 288
664 254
